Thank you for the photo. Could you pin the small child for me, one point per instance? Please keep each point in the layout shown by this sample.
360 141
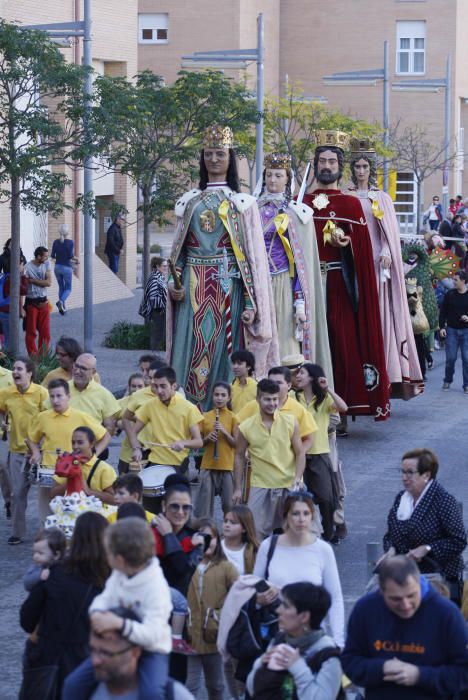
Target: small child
49 547
207 592
136 382
128 492
240 543
244 386
219 429
128 488
136 582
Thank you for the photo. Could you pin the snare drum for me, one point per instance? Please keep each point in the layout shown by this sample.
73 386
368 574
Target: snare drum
153 479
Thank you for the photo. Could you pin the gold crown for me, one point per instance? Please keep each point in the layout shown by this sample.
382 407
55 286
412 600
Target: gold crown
362 147
277 161
216 136
332 137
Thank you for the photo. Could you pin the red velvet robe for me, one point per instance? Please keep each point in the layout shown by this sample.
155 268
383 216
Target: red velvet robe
354 328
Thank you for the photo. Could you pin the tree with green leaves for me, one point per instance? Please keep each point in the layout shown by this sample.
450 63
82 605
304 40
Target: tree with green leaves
157 132
40 132
292 120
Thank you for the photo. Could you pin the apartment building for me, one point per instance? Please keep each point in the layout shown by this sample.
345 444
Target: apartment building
114 52
309 39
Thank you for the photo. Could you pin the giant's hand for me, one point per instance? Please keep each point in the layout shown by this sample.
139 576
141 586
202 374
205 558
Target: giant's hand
175 294
340 241
248 317
386 262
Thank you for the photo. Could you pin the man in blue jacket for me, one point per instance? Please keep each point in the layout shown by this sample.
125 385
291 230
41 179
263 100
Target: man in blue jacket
406 640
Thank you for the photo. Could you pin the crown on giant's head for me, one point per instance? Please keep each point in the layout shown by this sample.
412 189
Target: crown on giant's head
217 136
362 147
332 137
277 161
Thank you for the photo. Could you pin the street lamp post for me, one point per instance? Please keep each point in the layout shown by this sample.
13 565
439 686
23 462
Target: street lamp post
239 59
433 85
370 77
67 30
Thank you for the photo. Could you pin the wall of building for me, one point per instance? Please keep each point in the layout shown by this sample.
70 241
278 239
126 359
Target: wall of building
115 52
318 39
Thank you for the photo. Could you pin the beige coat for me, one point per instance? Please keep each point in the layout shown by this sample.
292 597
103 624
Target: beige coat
205 608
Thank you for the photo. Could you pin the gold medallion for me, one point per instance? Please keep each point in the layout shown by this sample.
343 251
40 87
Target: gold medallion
208 220
321 201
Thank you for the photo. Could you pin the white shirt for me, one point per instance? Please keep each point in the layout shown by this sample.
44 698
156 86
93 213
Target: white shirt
147 594
236 557
312 562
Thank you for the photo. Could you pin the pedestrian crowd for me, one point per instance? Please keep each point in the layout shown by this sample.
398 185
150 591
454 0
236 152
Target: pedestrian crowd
160 599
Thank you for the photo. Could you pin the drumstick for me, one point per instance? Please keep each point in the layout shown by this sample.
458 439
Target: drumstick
156 444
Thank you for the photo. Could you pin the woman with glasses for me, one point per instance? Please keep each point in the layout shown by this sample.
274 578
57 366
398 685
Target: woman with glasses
178 546
425 522
180 550
299 555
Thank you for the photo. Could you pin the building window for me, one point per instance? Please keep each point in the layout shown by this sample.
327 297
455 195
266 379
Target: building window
411 48
405 203
153 28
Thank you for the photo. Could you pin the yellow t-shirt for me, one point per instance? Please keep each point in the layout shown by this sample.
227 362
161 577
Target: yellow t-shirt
167 424
242 394
307 424
22 409
322 418
225 461
95 400
6 378
56 430
132 403
272 457
60 373
112 517
103 477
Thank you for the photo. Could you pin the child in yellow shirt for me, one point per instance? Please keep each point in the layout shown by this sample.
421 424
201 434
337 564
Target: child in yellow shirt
219 429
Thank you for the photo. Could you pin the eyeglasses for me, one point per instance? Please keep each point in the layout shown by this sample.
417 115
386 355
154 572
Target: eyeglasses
409 472
82 367
104 654
175 507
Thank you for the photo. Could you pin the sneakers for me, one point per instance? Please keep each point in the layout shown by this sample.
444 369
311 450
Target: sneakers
8 510
180 646
14 540
465 391
445 386
60 307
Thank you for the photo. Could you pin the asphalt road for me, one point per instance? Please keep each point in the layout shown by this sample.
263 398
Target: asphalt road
371 458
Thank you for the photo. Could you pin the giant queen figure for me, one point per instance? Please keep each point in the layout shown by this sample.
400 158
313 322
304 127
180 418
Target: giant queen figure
347 264
220 288
401 357
288 230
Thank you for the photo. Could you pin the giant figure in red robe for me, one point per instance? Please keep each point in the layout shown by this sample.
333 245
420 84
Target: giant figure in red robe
347 264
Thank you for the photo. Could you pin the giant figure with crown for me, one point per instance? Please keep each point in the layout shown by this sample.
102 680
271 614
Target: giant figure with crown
220 291
288 230
347 265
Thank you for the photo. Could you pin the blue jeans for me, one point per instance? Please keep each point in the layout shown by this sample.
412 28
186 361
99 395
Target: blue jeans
152 678
113 262
456 338
64 275
5 321
179 602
